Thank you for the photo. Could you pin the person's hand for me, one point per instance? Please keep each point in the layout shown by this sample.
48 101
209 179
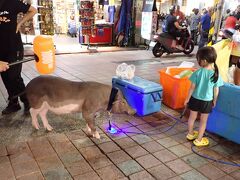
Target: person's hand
186 102
18 27
3 66
214 103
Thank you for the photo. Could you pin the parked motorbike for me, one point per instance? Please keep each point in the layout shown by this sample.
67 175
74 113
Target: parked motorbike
165 43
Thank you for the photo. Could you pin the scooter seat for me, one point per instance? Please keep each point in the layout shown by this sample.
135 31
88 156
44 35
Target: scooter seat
166 35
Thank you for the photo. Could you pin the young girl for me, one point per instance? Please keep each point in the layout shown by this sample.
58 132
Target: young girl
203 93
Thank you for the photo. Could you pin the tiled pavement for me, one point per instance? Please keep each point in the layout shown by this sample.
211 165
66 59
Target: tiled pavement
151 153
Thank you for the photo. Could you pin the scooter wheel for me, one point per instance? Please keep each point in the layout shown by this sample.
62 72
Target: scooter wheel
189 48
158 50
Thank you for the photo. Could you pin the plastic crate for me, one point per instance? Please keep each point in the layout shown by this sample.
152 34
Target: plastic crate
142 95
175 90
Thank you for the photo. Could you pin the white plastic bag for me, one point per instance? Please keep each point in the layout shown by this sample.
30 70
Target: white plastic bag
125 71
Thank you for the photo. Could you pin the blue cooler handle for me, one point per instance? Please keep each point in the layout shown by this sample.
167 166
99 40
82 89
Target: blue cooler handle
156 96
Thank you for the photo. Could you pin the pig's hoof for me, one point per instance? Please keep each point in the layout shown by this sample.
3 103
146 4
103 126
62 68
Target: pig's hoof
49 128
88 129
96 135
35 126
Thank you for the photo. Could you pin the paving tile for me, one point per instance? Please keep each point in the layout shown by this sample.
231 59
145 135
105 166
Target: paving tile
152 146
21 157
210 153
165 155
176 178
117 136
58 173
211 171
74 135
43 152
223 150
32 176
225 167
132 131
70 157
143 175
195 160
83 142
87 176
123 124
125 142
167 142
17 147
171 131
193 175
104 138
156 135
4 160
110 173
38 143
141 138
109 147
178 166
149 118
98 163
129 167
136 151
91 152
58 138
137 121
236 174
146 127
49 162
79 167
180 150
63 147
6 172
161 172
227 178
148 161
180 137
3 150
119 156
24 168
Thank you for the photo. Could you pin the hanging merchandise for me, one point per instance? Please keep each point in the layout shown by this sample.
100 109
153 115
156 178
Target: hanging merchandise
149 19
124 23
111 13
45 9
86 18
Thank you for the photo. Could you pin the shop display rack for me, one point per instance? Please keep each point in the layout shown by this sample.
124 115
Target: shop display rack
45 18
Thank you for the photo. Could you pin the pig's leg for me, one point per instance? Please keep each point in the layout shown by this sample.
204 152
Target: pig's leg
34 113
88 129
43 115
89 117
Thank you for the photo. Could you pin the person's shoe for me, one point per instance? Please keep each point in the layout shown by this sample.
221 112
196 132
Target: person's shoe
11 108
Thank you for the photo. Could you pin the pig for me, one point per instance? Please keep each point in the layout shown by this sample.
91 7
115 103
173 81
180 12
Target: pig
62 96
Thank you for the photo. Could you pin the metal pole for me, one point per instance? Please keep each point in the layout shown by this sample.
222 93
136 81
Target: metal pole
218 19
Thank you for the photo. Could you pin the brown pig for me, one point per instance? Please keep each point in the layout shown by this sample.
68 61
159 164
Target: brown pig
61 96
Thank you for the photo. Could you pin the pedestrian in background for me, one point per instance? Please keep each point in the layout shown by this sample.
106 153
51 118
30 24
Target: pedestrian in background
11 50
204 27
194 23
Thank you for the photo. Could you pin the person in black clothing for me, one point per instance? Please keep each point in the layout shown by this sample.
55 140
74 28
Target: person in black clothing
173 27
11 50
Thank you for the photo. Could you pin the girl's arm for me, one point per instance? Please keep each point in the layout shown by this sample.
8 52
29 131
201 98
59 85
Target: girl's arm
189 93
215 95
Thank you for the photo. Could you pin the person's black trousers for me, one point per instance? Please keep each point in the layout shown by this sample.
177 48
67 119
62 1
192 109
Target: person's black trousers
13 81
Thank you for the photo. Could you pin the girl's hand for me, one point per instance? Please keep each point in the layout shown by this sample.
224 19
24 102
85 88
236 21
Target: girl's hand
214 103
186 102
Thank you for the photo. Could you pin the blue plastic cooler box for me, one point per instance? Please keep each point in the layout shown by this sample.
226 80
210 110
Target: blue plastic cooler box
225 117
142 95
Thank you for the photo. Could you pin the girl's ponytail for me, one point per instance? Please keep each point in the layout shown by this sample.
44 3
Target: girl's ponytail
216 73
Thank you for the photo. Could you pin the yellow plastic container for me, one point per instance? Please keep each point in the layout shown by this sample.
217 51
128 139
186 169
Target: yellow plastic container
43 47
175 90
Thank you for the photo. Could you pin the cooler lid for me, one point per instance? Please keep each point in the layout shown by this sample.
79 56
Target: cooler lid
138 84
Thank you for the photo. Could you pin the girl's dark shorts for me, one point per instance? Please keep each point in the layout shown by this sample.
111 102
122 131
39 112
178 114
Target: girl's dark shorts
200 105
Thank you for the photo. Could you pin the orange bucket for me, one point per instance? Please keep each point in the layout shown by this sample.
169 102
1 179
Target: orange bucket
43 47
175 90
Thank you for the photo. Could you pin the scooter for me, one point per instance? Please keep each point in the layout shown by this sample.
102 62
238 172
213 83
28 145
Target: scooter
165 43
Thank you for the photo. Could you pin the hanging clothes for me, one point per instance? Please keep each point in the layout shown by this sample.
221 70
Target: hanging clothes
111 13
